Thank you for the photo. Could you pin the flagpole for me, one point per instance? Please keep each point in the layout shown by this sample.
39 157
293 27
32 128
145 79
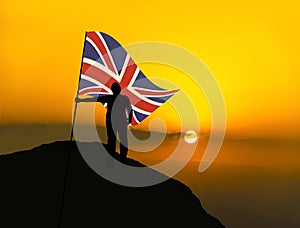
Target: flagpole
70 141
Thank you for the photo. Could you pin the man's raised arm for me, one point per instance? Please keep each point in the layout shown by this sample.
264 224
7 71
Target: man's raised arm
90 99
93 99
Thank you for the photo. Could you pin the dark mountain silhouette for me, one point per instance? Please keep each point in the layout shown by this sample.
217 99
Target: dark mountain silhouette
32 186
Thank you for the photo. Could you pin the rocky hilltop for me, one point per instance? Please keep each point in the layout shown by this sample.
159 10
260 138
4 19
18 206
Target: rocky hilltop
32 184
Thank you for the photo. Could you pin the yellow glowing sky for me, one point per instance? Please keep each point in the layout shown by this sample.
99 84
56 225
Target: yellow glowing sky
251 46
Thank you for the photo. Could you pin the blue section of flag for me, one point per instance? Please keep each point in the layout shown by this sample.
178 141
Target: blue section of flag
85 83
160 99
143 82
139 116
118 53
91 53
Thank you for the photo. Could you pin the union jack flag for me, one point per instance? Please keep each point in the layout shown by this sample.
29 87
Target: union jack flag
104 62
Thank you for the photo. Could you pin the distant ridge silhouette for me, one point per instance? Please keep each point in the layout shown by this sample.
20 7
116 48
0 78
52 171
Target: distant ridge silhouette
32 186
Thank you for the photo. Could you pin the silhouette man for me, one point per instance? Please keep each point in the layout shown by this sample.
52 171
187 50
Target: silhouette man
118 108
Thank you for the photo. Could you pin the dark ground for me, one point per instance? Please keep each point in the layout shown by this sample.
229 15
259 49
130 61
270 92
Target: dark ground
32 188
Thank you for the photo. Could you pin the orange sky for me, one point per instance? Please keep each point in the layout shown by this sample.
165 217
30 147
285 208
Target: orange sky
251 47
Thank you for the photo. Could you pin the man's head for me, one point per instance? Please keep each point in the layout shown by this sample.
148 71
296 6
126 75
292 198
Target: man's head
115 88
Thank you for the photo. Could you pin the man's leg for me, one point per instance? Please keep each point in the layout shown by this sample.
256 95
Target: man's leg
123 143
111 138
